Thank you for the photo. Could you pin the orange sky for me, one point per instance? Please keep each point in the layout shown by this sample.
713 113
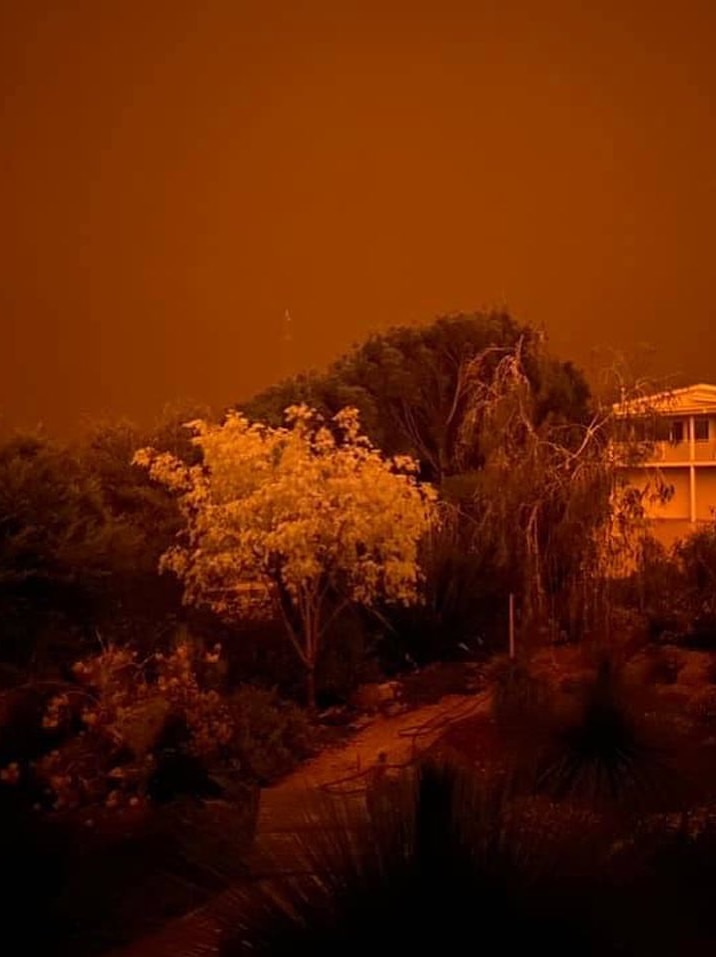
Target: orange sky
173 174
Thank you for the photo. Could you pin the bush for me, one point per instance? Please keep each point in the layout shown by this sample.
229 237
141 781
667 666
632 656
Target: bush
270 735
463 615
674 858
128 730
608 751
33 856
519 699
124 880
121 720
92 889
21 712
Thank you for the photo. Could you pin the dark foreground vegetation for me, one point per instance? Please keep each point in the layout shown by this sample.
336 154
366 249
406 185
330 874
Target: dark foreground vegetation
578 816
138 723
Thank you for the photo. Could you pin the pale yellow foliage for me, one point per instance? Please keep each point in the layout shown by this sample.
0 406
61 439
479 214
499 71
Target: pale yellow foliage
295 521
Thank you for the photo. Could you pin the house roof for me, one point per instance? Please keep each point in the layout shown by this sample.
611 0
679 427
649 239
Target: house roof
693 399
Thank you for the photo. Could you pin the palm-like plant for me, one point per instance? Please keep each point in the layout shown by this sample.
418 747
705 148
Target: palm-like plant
610 751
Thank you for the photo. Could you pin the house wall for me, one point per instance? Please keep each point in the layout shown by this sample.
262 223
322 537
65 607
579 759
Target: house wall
672 519
679 505
669 531
705 493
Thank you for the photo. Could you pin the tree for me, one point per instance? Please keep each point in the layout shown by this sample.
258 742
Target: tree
550 496
297 521
57 542
134 603
410 385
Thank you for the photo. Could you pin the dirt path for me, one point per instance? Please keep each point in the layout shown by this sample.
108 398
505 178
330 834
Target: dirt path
283 808
400 738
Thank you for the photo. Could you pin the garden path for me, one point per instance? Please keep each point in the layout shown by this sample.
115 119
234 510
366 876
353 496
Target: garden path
383 744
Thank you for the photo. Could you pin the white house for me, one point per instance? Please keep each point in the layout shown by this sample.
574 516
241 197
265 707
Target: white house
682 433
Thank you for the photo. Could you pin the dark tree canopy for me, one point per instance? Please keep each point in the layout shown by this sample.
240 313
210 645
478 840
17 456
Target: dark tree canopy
81 532
409 385
57 539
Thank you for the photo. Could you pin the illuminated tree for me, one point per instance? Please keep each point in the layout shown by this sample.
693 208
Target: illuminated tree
296 522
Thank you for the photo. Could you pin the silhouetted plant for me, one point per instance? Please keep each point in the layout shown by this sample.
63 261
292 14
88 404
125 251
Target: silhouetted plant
123 880
665 874
270 735
80 891
33 856
609 750
441 865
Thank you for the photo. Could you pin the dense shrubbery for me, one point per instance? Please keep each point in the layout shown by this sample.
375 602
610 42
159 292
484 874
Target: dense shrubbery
675 589
127 730
77 891
79 790
268 735
114 724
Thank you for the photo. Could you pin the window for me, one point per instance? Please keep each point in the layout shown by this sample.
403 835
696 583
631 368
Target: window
676 431
701 429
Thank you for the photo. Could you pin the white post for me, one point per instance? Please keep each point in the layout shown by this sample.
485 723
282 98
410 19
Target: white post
512 625
692 470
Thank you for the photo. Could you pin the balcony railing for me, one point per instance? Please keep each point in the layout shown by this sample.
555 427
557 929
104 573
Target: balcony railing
673 453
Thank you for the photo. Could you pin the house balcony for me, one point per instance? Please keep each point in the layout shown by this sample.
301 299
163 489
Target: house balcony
674 454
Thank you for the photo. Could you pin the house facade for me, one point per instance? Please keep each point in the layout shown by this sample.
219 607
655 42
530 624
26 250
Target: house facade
681 453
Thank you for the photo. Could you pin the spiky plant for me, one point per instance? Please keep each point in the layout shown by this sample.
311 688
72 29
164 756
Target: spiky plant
610 750
441 865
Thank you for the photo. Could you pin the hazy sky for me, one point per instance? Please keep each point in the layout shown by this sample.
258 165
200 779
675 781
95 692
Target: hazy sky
174 174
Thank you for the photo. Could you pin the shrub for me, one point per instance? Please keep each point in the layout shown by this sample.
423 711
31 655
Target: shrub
607 751
519 699
435 681
270 735
128 730
120 718
22 709
123 880
463 614
674 859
